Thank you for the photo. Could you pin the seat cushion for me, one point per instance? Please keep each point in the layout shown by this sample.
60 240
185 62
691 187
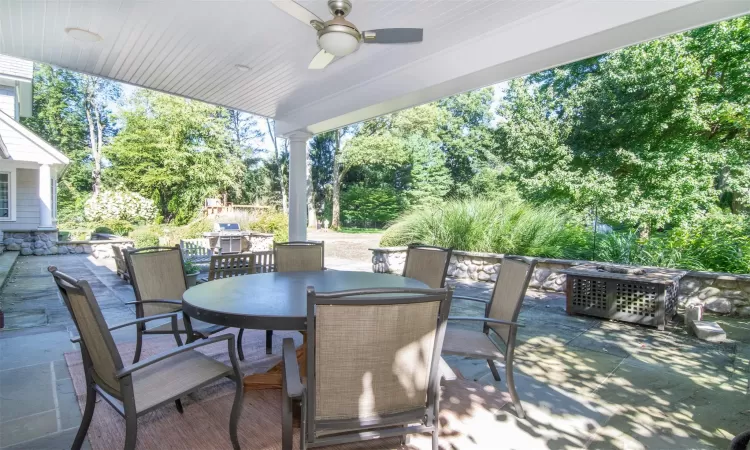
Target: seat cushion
176 375
460 341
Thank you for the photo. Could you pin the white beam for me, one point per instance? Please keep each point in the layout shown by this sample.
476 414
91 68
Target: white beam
298 185
498 56
45 196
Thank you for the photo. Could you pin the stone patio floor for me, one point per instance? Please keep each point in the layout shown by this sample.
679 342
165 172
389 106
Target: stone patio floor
584 382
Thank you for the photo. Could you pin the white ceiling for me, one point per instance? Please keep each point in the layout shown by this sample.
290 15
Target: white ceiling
190 48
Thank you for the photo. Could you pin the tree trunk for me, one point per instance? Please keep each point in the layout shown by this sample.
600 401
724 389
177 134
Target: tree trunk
312 216
336 194
280 171
96 174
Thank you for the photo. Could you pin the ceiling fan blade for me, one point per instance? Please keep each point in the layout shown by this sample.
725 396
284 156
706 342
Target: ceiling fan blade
297 11
392 36
321 60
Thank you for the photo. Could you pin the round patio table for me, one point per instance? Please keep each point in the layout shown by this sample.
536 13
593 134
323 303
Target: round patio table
275 301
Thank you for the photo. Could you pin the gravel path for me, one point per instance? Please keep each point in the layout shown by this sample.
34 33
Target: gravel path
349 246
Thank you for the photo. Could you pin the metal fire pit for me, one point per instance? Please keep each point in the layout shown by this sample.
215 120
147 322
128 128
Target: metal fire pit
646 296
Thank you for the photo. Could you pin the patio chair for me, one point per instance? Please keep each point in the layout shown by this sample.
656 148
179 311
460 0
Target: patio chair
500 315
139 388
233 265
300 256
428 264
373 361
121 265
158 278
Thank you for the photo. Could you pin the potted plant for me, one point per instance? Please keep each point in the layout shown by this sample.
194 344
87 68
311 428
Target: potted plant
191 273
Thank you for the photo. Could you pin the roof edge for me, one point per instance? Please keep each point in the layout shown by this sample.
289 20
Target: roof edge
33 137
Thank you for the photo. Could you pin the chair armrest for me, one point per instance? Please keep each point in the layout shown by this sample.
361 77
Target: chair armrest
487 320
125 371
156 300
173 316
473 299
292 380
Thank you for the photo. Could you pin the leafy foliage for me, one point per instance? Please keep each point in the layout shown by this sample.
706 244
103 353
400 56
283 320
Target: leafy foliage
119 205
370 207
176 152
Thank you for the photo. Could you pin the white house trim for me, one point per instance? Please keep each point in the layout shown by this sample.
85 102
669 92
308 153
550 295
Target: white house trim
12 198
3 150
58 158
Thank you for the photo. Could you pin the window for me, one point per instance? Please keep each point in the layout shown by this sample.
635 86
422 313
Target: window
4 195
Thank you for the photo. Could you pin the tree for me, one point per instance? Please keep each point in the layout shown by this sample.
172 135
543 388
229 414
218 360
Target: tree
465 135
650 134
279 157
59 119
176 152
322 148
97 95
430 178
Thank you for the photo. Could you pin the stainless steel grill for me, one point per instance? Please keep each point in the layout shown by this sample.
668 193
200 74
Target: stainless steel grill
230 237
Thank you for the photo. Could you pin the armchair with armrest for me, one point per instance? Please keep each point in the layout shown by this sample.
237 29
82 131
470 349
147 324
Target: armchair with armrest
499 323
144 386
158 278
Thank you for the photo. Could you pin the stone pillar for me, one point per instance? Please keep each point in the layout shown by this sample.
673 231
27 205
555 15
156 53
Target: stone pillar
45 196
298 185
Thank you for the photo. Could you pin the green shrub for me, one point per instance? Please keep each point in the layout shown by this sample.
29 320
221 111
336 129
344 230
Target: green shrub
191 267
370 207
271 222
505 225
145 237
118 227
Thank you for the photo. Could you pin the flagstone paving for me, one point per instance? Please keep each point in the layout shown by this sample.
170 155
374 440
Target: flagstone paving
584 382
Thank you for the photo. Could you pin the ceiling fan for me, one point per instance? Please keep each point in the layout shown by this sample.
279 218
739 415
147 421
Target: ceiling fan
338 36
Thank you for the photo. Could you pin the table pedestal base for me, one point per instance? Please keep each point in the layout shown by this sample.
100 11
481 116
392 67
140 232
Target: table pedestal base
272 378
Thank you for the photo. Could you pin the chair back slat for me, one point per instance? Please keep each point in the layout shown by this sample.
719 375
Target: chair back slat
509 292
427 264
374 353
298 256
234 265
264 261
157 273
98 344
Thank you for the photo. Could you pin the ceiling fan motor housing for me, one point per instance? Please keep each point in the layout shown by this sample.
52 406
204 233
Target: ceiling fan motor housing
340 8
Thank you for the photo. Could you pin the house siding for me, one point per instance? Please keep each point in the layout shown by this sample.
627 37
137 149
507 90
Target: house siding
27 202
8 100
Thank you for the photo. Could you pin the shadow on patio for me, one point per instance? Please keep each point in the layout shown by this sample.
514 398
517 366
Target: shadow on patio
585 383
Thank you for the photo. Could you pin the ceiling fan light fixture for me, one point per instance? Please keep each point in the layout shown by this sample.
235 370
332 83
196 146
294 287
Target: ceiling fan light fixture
338 43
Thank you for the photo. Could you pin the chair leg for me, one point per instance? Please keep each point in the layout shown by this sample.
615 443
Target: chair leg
88 412
240 353
131 430
138 344
405 438
512 389
495 373
234 418
269 342
178 404
286 420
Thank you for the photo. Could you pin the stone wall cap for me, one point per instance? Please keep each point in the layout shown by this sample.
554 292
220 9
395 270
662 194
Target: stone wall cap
97 241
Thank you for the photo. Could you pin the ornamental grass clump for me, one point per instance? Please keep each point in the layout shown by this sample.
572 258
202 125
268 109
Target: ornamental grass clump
505 225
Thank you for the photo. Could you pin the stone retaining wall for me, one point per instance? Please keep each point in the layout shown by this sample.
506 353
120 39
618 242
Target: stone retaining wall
99 249
40 243
719 292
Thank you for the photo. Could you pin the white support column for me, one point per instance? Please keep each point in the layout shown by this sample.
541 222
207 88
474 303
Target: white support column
298 185
45 196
